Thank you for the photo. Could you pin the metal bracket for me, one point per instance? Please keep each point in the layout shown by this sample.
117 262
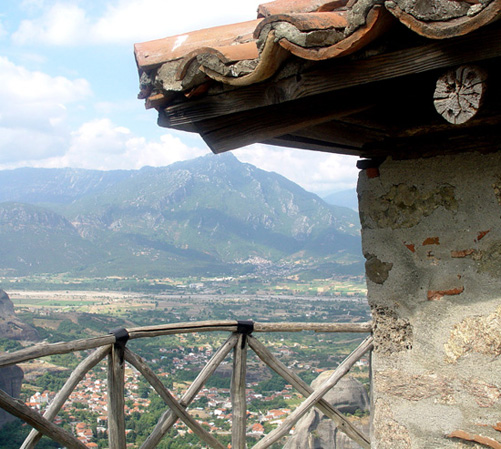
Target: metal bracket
245 327
121 339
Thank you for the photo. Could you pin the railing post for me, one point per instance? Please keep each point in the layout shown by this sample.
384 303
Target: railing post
238 397
116 381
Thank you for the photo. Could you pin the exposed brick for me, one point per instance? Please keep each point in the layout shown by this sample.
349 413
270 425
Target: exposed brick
436 295
372 172
432 241
482 234
462 253
411 247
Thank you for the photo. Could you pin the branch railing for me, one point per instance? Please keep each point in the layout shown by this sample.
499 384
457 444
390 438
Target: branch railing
114 348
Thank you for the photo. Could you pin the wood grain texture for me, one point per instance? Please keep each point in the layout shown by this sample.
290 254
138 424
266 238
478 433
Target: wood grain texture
338 75
44 349
116 401
238 404
459 93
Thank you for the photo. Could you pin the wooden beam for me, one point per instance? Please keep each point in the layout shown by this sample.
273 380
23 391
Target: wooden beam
482 138
262 124
302 143
316 327
45 349
339 74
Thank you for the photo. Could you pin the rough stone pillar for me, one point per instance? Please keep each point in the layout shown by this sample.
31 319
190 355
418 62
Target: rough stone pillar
431 234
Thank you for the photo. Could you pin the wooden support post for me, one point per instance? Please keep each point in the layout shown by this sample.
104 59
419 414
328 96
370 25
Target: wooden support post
116 401
239 408
76 376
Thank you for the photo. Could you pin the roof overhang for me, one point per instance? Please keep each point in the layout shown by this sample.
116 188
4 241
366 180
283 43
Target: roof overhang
368 93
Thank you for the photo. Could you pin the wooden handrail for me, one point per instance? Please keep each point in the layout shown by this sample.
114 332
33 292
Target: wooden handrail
113 346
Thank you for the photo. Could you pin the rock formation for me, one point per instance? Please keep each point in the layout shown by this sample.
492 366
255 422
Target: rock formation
11 379
316 431
10 326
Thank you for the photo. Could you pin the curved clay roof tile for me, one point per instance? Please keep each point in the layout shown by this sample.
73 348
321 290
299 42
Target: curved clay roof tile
226 54
271 58
154 53
306 22
298 6
378 21
448 28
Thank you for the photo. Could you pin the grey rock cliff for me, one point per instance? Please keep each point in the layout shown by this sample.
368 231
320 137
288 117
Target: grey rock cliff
10 326
316 431
11 379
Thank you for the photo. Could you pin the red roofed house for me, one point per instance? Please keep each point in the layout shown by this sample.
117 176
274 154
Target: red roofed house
412 88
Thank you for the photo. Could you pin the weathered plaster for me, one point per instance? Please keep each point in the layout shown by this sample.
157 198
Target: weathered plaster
431 233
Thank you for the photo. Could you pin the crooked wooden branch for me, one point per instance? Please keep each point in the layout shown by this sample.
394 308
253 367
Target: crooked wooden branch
168 419
113 346
238 406
169 399
300 385
46 349
294 417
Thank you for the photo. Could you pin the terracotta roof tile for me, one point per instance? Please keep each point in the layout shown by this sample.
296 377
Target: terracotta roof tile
378 21
298 6
153 53
477 16
251 52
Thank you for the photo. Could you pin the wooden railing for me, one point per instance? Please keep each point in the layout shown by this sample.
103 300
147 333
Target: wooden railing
113 346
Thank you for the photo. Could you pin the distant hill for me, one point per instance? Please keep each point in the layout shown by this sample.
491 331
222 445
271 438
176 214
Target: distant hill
344 198
210 215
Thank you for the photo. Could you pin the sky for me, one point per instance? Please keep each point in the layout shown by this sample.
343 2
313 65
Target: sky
69 84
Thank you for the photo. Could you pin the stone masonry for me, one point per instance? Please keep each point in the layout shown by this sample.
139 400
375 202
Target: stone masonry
431 233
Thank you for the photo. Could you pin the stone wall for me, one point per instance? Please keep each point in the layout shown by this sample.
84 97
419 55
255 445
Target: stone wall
431 234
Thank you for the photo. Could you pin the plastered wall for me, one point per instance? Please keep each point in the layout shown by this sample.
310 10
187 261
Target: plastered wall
431 235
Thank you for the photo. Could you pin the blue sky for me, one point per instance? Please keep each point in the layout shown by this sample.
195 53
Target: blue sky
68 87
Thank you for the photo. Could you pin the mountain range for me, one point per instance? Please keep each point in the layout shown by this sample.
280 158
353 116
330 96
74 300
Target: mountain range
208 216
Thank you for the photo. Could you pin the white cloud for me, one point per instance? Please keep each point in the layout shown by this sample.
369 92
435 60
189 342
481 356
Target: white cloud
100 144
61 24
34 111
317 172
126 21
139 20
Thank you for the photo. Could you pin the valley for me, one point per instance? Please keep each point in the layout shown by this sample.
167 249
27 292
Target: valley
63 315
